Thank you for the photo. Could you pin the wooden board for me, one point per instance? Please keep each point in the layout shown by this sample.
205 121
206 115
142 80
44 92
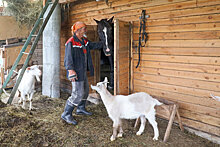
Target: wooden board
210 86
180 61
180 89
10 54
121 57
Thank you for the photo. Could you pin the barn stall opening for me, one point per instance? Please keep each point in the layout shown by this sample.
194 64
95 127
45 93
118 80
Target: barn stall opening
180 61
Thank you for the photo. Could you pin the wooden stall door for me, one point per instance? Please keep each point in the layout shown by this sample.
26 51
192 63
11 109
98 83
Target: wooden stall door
121 57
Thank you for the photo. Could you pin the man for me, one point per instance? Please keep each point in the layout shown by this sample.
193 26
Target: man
76 61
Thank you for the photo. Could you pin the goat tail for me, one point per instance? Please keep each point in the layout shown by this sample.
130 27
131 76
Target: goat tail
217 98
157 102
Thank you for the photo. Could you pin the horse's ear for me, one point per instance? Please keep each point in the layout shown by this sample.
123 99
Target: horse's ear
96 21
111 19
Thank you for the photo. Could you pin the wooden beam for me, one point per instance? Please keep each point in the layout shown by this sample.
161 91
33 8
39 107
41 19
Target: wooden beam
131 83
179 120
11 41
2 76
173 96
167 134
44 2
66 1
116 46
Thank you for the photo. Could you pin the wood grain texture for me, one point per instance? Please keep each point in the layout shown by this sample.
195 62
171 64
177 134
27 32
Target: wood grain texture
181 60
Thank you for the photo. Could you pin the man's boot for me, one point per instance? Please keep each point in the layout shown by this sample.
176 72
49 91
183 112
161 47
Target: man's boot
81 110
111 82
67 114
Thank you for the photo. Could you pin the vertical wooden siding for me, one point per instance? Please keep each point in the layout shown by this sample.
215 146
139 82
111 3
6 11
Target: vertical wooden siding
181 61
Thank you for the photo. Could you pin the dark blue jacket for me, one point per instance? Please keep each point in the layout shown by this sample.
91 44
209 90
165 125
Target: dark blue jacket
74 56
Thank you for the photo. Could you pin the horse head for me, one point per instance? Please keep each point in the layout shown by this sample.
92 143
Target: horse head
105 31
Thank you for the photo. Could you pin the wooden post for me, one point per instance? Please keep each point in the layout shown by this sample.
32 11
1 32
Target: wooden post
44 2
131 86
2 76
172 116
116 46
179 120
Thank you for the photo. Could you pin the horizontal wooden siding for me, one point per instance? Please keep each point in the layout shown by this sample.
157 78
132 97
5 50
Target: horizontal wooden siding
181 60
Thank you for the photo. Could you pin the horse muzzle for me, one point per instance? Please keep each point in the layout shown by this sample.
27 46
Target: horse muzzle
107 52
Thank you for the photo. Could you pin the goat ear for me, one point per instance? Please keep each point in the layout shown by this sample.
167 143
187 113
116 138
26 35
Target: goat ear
28 69
97 21
111 19
106 80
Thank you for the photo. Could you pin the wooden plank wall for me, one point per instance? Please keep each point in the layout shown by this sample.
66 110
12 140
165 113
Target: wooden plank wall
10 54
181 60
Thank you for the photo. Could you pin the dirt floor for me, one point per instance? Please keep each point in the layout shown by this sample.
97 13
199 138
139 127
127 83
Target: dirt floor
43 127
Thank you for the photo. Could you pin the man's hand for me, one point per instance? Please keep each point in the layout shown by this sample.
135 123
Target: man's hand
72 75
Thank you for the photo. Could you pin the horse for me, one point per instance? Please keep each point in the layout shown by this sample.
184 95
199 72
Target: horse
106 35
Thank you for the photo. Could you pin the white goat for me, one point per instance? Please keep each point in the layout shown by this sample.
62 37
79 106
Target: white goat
138 105
27 84
217 98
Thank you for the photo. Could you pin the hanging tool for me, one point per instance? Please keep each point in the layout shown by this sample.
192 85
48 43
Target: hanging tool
142 34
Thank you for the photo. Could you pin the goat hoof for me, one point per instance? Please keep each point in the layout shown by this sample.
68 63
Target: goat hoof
119 135
155 138
33 108
23 107
138 133
112 138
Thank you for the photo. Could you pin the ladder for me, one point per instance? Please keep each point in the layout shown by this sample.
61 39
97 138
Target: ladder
29 55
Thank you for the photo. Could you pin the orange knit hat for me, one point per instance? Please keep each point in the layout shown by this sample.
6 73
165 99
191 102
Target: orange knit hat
78 25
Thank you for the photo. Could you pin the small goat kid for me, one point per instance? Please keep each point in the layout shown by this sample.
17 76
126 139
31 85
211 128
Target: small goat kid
138 105
27 84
